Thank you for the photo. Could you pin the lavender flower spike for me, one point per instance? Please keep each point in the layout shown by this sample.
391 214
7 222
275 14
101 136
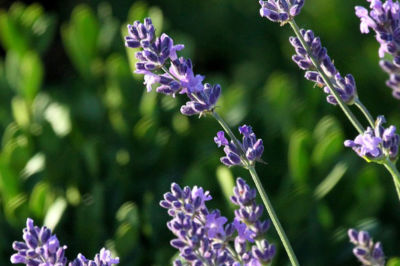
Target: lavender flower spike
345 87
377 144
39 248
248 222
204 237
251 147
366 251
159 63
280 10
384 19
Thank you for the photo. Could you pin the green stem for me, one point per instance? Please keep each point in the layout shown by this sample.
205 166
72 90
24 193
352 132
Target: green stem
395 174
327 80
261 191
273 216
365 112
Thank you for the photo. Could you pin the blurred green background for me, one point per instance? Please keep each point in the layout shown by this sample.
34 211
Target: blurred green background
87 152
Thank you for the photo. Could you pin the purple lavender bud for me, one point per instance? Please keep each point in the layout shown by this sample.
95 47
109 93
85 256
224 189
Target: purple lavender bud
40 247
280 10
344 87
264 253
251 147
220 139
365 250
384 20
202 101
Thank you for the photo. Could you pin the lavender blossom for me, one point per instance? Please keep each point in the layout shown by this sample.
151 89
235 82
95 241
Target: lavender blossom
251 147
366 251
376 144
159 63
280 10
204 237
384 20
198 232
100 259
248 224
41 248
345 87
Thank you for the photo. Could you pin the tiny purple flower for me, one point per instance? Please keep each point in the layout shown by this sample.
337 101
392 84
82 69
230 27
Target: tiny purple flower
366 251
376 144
215 225
251 147
220 139
280 10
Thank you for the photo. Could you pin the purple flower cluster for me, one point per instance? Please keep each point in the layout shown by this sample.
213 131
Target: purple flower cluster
366 251
159 63
204 237
248 224
42 248
378 143
280 10
251 147
345 87
384 19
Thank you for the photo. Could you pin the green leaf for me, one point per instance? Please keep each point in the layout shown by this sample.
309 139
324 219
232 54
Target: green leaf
393 262
39 199
59 118
80 38
35 165
331 180
226 181
10 37
20 111
128 230
31 75
299 156
329 141
55 212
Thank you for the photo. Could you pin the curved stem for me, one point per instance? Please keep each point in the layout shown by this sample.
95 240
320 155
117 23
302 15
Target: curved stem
327 80
365 112
273 216
395 174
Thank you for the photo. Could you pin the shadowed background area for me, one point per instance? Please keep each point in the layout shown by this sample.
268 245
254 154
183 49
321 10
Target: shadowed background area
86 151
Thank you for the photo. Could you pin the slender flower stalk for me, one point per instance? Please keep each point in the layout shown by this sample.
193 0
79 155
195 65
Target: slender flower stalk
159 62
